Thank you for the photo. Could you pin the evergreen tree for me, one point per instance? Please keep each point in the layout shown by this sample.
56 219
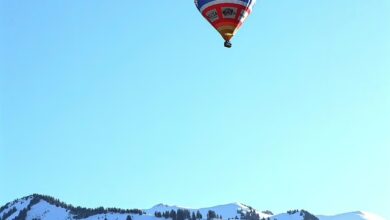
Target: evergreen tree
250 215
211 215
187 214
166 214
198 215
308 216
172 215
180 214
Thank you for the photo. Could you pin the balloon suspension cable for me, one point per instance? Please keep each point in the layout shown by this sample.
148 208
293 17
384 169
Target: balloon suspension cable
228 44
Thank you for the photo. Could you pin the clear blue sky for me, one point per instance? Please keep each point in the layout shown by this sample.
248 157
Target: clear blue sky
132 103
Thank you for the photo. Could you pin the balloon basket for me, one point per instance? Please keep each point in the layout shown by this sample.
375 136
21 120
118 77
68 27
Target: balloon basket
228 44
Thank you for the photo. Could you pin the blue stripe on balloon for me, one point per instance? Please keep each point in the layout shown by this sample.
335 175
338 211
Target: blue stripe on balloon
203 2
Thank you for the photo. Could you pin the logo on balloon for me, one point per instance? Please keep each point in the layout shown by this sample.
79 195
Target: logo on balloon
229 12
212 15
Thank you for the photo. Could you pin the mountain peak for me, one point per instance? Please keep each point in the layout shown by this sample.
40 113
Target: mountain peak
160 205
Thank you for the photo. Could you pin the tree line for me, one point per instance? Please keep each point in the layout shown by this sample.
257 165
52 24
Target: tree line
185 214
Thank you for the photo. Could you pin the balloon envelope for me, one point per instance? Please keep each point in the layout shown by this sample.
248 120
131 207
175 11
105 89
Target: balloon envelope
226 16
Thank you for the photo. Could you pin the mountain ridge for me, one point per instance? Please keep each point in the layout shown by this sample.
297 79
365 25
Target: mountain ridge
43 207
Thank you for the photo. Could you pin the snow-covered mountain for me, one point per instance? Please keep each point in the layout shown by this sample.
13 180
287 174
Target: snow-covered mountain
39 207
227 211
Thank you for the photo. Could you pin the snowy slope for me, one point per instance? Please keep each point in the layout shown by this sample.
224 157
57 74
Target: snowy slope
351 216
344 216
37 208
44 210
227 211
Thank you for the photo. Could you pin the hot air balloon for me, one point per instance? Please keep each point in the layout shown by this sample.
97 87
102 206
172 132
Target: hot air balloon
226 16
